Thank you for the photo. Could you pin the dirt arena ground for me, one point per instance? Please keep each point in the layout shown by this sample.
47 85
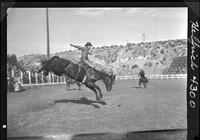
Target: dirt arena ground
50 110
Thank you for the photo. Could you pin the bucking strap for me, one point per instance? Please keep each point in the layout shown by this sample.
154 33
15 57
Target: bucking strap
81 75
84 78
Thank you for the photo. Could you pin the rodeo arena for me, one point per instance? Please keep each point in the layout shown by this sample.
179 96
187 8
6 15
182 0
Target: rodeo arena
54 107
59 99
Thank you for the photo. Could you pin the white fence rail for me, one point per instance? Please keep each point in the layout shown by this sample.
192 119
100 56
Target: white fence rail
157 76
31 79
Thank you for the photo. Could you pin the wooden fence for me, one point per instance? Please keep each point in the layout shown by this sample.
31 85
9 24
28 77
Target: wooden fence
30 79
157 76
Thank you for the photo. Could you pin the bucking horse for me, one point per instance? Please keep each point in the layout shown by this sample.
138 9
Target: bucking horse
87 76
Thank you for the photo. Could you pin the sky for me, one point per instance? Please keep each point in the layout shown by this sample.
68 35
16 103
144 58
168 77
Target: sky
26 27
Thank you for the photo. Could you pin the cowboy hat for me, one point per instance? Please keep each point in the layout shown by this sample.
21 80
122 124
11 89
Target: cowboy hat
88 44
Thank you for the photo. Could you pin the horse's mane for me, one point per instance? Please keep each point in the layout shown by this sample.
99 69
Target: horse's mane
106 75
55 57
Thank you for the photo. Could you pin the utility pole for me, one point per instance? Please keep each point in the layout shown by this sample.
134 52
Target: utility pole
143 37
48 49
47 21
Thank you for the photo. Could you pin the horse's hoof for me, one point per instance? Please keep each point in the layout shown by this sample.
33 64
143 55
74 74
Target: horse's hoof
98 99
103 103
101 96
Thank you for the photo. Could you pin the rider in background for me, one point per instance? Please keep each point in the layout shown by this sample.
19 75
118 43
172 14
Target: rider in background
142 73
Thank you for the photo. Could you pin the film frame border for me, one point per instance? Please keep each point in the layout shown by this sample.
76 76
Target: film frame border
193 49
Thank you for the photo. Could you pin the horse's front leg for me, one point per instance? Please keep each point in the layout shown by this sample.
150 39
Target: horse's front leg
92 87
98 88
139 83
100 93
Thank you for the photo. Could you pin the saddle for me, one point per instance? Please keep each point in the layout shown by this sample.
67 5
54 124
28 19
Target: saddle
89 70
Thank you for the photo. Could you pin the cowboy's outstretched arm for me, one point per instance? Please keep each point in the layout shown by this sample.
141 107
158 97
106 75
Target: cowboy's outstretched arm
77 46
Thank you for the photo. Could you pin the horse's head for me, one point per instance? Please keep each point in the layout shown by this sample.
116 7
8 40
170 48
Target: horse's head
109 80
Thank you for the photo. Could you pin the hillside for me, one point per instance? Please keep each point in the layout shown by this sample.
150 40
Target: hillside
153 57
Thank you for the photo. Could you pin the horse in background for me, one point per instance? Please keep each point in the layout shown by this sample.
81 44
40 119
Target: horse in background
86 76
143 80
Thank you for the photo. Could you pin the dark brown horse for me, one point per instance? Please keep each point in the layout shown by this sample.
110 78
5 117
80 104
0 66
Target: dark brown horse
87 76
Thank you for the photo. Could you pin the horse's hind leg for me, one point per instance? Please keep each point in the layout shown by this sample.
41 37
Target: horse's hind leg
67 86
79 85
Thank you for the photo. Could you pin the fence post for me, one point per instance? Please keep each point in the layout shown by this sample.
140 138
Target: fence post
52 77
49 77
57 79
42 78
60 79
36 78
63 79
21 76
29 77
12 73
